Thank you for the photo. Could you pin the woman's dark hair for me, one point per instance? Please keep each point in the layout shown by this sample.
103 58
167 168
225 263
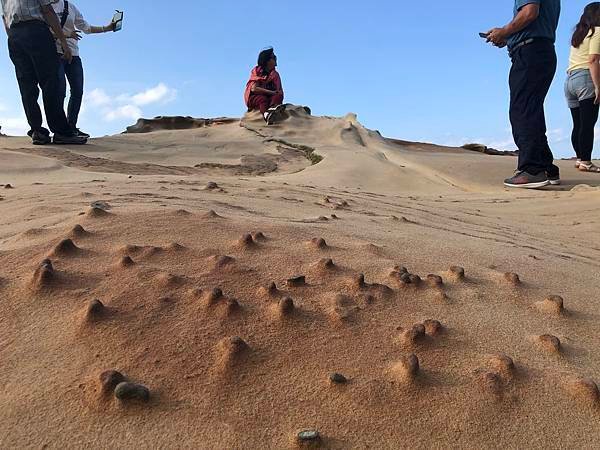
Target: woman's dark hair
589 21
266 56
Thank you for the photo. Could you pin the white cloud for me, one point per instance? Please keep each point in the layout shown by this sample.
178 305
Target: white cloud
126 106
160 93
123 112
14 126
97 97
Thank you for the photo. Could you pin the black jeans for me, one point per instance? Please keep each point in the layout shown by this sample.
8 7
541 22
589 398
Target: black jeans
32 50
584 121
532 72
73 72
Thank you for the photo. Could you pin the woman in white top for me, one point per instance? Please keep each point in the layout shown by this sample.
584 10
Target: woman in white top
73 23
582 88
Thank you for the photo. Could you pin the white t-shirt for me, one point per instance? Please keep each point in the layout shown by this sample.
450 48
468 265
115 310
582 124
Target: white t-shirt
75 21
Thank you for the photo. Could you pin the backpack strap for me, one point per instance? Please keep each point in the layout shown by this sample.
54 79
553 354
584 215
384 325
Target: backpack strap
65 15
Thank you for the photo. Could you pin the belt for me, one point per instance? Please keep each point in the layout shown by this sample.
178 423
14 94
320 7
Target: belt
527 42
27 23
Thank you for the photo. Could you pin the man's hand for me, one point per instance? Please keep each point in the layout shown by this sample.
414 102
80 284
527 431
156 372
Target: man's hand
498 37
110 27
597 100
67 54
75 34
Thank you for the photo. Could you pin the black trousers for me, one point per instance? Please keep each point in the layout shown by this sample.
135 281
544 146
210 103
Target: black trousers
532 72
584 121
32 50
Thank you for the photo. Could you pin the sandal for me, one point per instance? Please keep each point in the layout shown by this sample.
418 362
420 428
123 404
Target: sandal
577 163
589 167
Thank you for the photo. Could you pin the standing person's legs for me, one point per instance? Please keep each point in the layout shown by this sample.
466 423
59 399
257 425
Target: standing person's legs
42 51
534 67
26 77
74 72
588 119
62 80
576 116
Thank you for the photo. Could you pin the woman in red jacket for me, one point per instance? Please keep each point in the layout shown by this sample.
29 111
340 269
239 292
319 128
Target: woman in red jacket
264 91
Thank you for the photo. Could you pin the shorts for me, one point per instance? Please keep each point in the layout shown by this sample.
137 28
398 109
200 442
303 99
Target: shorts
578 87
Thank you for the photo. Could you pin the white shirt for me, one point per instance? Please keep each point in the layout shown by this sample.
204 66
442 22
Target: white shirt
75 21
15 11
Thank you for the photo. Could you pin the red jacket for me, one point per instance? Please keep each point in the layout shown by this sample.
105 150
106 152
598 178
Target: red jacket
258 78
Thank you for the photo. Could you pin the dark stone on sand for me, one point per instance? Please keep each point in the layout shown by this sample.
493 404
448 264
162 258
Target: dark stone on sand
44 274
247 240
259 236
95 308
406 278
215 295
211 185
415 279
296 281
338 378
8 186
310 437
110 379
132 391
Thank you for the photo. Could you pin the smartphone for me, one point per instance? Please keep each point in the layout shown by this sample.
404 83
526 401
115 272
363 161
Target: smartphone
483 35
118 20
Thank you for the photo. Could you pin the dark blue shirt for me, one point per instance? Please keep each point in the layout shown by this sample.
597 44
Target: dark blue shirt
543 27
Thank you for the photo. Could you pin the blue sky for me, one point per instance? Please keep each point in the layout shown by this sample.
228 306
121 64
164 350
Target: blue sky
413 70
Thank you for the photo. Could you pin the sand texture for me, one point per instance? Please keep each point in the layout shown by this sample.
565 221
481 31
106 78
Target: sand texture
306 285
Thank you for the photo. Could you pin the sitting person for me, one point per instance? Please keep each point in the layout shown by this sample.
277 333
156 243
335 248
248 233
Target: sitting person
264 91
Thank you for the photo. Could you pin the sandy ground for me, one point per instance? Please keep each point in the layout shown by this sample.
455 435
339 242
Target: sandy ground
491 359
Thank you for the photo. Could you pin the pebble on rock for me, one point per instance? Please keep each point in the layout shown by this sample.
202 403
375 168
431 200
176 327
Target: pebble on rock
308 438
109 380
44 275
296 281
338 378
132 391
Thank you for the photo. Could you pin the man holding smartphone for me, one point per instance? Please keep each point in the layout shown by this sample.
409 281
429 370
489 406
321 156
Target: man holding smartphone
530 38
32 50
